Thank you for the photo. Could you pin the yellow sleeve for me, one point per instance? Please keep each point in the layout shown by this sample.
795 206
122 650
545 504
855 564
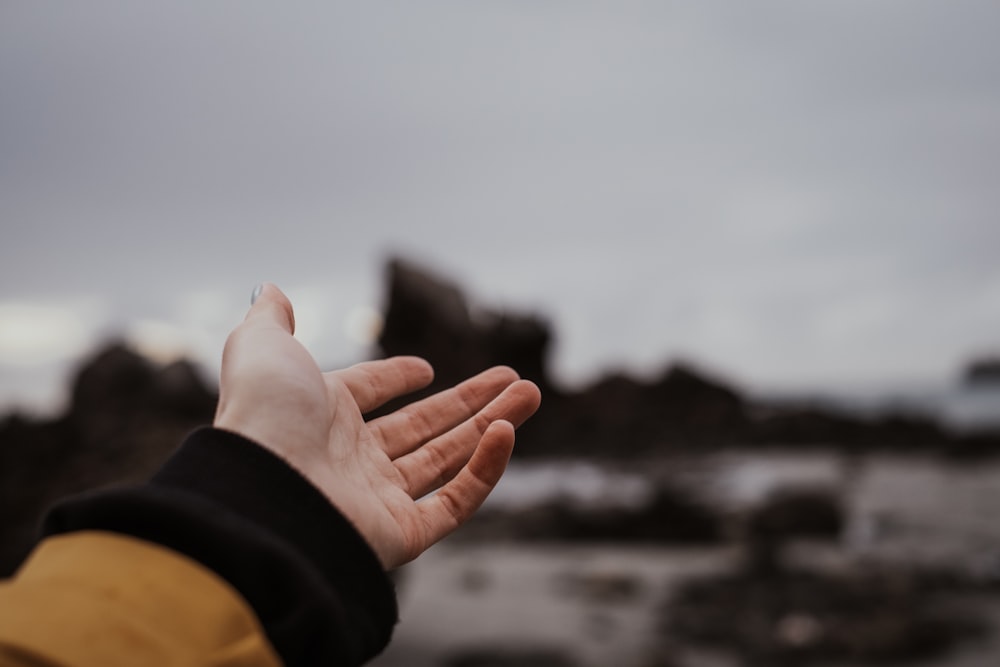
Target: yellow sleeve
95 598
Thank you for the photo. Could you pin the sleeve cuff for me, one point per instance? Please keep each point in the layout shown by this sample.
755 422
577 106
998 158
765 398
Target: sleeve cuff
315 584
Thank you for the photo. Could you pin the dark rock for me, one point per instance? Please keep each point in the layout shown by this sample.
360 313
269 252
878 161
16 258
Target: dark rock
119 397
801 617
430 317
974 446
427 314
116 380
786 515
790 513
793 425
668 517
620 416
983 371
180 391
125 418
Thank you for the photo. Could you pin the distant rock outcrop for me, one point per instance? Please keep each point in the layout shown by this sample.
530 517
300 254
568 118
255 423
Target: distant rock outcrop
429 314
621 416
983 371
125 418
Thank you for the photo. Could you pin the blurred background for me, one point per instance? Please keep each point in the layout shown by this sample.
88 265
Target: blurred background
798 201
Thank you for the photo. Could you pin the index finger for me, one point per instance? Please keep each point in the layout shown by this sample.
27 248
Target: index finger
373 383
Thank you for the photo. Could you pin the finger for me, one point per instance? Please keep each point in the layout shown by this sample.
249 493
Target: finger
440 459
372 383
409 427
457 500
269 304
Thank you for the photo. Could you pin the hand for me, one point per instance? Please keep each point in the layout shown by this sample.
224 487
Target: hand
378 473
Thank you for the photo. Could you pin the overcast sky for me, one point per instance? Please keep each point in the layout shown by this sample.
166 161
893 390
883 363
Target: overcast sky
793 194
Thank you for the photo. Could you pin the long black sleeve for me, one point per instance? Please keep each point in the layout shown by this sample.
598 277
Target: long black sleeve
315 584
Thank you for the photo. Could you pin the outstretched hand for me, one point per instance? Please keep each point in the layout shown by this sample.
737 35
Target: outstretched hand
454 445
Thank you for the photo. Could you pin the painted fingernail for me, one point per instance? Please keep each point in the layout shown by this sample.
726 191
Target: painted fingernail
256 293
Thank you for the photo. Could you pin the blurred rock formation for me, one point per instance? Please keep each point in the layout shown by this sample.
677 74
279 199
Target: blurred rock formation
681 409
125 417
426 313
863 615
984 371
668 517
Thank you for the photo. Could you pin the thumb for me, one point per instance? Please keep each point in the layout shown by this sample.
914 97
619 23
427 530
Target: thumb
269 304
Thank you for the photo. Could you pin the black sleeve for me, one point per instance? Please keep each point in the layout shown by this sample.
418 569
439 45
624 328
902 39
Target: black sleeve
316 585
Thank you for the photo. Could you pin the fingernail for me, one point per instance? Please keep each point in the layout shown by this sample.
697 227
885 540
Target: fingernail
256 293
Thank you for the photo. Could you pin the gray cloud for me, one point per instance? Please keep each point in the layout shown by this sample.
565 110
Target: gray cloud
797 193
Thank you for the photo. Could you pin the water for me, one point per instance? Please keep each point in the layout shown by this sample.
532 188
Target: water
914 505
571 600
601 604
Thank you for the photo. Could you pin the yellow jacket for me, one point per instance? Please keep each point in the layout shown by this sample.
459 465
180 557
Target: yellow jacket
101 599
227 557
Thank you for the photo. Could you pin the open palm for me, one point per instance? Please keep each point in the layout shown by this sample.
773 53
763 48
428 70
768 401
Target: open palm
406 479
